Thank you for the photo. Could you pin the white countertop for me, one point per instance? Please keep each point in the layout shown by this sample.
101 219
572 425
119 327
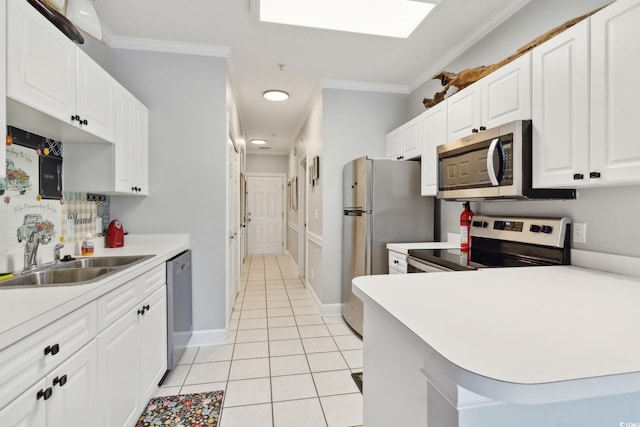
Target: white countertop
522 326
403 248
23 311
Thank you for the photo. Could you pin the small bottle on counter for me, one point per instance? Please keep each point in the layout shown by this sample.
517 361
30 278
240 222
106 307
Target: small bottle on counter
87 245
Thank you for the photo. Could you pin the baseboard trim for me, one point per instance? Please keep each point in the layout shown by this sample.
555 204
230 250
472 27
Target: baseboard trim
324 309
208 337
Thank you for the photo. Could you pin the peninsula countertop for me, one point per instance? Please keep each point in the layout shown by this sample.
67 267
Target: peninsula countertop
515 330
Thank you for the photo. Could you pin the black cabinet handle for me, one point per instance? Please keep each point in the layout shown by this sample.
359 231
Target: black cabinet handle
73 118
146 307
46 394
60 380
474 130
483 128
578 176
84 122
141 311
52 349
594 175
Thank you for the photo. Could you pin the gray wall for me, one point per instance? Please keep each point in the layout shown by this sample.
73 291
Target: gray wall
354 124
267 163
610 213
186 98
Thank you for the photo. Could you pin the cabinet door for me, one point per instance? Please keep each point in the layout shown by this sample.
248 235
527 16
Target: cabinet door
506 93
463 112
119 372
560 109
96 98
27 410
75 399
141 147
41 63
153 342
434 133
3 95
615 90
394 144
124 141
411 146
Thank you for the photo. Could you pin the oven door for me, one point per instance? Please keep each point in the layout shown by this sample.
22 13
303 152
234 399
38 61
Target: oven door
416 265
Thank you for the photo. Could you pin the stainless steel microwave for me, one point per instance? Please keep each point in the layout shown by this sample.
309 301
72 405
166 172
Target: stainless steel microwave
492 164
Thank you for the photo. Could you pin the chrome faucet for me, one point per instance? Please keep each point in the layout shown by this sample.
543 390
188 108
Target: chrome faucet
31 248
56 253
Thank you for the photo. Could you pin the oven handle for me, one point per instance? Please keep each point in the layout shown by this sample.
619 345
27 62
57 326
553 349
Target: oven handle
495 145
426 266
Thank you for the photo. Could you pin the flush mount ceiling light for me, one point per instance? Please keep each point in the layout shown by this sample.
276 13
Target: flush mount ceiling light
258 141
391 18
276 95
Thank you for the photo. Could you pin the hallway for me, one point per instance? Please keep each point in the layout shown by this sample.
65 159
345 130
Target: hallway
284 365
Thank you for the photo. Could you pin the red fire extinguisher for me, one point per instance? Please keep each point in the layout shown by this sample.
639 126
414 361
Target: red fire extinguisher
465 226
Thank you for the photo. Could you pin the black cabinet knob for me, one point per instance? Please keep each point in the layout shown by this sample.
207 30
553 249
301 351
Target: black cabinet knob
52 349
474 130
46 394
547 229
534 228
594 175
60 380
483 128
578 176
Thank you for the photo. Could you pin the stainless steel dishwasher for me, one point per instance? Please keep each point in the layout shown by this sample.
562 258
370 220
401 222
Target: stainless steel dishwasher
179 311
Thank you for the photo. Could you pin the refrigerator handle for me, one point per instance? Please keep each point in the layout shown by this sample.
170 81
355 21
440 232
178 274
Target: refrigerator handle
368 252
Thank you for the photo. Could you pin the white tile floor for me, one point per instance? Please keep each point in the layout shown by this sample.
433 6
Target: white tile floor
284 365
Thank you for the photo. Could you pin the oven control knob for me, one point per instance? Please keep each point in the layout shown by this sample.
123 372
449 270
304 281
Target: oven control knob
534 228
498 225
547 229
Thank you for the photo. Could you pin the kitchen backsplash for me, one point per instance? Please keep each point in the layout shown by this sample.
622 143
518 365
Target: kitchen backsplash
32 198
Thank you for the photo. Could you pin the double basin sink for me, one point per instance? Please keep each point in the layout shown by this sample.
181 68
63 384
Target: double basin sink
74 272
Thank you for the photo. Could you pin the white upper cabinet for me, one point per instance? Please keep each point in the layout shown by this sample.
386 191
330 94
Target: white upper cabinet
96 97
50 75
411 146
500 97
585 102
615 91
141 148
41 70
404 142
464 112
394 144
560 109
434 133
3 96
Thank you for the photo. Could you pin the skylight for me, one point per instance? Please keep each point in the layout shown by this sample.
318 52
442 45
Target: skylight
391 18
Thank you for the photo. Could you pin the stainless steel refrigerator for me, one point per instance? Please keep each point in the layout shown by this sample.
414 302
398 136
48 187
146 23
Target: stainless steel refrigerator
382 204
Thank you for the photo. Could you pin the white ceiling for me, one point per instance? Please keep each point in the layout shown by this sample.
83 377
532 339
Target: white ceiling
311 56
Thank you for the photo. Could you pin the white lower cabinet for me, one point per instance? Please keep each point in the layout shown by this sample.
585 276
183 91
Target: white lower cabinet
132 360
67 397
98 365
397 263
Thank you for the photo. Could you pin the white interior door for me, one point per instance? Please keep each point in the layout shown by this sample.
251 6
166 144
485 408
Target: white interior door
233 226
264 214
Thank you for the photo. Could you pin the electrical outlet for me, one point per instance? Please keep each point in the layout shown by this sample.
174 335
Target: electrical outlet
580 232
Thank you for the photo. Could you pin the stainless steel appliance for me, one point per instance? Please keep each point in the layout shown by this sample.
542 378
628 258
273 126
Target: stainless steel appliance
179 311
501 242
382 204
492 164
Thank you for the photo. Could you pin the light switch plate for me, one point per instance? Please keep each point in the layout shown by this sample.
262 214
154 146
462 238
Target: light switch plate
579 232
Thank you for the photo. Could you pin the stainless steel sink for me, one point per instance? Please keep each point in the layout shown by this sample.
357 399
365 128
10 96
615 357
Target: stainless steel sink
56 277
111 261
76 272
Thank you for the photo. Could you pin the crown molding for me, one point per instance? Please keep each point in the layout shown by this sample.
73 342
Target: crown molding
466 43
364 86
133 43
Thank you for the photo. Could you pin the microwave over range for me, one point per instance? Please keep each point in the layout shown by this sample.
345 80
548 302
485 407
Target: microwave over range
492 164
